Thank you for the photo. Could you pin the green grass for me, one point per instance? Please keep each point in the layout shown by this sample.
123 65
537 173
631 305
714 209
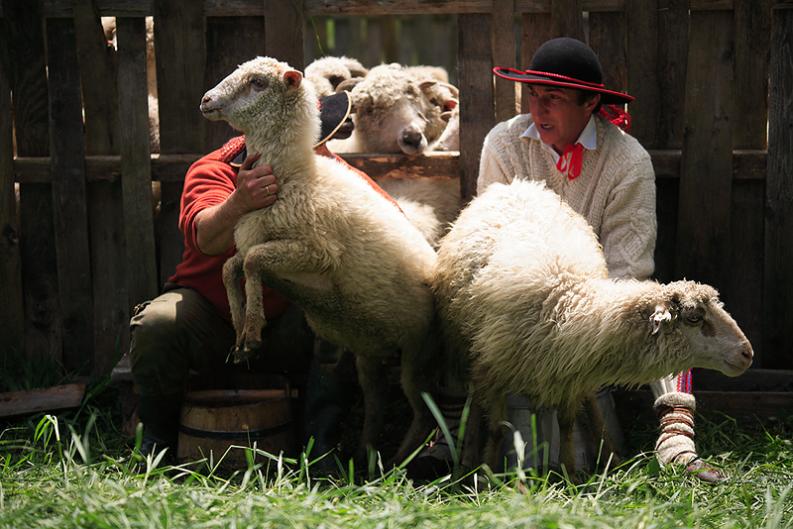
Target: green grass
76 471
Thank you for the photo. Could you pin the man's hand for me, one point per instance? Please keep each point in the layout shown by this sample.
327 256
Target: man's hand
256 189
256 186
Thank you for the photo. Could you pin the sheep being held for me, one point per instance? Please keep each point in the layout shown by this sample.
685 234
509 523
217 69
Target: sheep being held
528 308
330 243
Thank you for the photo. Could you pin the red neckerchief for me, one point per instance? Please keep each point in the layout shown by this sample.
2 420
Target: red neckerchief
570 161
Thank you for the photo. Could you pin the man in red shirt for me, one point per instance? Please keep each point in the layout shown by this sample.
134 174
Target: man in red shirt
188 327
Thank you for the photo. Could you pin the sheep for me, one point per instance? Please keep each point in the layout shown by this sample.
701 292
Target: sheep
393 113
331 244
326 73
527 307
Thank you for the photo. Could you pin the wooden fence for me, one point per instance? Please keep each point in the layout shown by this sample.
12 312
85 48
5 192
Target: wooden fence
713 81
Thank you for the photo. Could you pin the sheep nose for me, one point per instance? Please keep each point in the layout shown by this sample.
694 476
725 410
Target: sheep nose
206 99
412 138
747 353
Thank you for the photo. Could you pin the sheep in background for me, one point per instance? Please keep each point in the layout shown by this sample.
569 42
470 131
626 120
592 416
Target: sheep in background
404 110
527 308
330 243
326 73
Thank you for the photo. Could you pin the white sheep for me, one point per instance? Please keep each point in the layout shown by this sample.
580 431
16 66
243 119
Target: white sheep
326 73
330 243
527 308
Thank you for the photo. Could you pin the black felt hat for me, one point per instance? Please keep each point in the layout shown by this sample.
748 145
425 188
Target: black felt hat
568 63
334 113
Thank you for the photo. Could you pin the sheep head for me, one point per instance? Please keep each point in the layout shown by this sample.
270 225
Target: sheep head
692 318
327 73
263 94
393 112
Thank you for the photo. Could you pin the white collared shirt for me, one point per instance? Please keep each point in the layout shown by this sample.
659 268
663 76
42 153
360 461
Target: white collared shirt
588 137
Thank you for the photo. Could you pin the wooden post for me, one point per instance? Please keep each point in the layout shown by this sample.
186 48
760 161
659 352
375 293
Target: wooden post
283 33
504 55
642 68
230 42
179 37
672 58
567 20
607 36
703 241
779 196
67 148
106 228
536 30
752 38
135 161
475 63
12 325
23 30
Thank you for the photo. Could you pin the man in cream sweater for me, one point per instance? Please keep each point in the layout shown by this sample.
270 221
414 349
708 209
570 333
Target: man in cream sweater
570 141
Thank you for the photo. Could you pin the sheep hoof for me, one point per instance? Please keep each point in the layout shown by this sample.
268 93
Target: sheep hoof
247 351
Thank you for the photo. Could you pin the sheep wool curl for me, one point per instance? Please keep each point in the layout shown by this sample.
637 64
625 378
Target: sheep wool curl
524 296
330 243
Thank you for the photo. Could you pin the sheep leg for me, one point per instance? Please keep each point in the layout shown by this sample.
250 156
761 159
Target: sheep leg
277 258
496 415
566 444
472 443
232 280
417 376
371 378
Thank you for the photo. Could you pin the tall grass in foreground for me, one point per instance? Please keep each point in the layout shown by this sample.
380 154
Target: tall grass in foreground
75 471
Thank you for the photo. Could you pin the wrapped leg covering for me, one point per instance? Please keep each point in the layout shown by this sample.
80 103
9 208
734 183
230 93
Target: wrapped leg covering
676 443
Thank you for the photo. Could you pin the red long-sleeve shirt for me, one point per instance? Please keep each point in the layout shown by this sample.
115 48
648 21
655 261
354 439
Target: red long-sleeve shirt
209 182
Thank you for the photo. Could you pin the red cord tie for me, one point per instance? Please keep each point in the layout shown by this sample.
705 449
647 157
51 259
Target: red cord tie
571 160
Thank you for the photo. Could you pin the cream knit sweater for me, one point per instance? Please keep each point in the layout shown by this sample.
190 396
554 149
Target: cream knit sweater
615 191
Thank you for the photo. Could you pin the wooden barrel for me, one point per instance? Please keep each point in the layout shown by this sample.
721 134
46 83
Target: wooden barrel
214 420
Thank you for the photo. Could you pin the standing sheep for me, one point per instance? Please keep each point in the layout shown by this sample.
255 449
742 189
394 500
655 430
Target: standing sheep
526 302
330 243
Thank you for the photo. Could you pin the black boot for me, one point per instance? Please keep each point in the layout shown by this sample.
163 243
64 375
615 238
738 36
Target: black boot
160 418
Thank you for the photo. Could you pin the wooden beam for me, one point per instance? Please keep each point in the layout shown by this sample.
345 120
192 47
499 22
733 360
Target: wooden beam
12 321
477 117
283 32
135 161
70 211
41 400
779 196
752 40
642 38
504 55
673 27
747 165
703 228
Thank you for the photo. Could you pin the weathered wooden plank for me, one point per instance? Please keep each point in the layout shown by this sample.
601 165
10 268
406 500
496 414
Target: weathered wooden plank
743 295
747 165
703 237
38 400
536 29
779 197
752 34
70 214
135 161
642 17
12 323
504 55
108 259
23 29
476 95
283 24
179 35
608 38
567 19
230 42
666 212
672 60
218 8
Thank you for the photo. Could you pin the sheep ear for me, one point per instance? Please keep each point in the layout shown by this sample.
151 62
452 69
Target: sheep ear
426 85
292 78
658 317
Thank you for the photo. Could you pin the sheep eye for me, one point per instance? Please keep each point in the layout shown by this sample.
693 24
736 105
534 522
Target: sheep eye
693 319
259 83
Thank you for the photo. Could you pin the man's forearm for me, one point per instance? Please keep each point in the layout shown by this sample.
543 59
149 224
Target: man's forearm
215 226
